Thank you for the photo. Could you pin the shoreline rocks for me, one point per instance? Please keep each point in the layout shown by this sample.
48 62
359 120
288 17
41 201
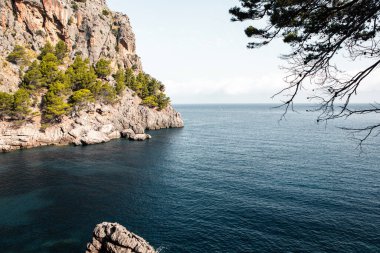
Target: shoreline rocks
90 127
114 238
99 124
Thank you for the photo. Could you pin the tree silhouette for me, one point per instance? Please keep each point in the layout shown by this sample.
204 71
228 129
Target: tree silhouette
318 31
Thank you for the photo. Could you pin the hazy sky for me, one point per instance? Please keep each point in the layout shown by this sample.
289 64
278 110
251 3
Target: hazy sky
202 57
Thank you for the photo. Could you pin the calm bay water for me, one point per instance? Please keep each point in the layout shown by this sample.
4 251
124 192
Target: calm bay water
233 180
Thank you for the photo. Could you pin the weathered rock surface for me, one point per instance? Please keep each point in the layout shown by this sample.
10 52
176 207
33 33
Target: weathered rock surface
99 124
88 28
114 238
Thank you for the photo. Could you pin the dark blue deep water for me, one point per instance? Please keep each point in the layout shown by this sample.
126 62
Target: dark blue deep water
233 180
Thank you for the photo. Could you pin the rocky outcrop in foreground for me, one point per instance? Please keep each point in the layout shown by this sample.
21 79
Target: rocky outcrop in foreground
114 238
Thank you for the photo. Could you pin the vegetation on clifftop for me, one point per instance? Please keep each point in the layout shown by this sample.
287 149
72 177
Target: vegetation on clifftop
66 88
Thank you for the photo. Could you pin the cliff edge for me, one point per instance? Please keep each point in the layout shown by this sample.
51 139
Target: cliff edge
90 31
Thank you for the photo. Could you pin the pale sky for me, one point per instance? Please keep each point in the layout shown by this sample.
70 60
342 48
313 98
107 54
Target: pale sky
201 57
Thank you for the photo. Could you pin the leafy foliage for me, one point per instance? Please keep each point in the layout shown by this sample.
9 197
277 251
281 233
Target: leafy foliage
33 77
130 79
317 32
105 92
120 78
60 88
82 98
49 69
21 103
54 103
6 104
61 50
149 89
81 75
162 100
102 68
47 49
77 87
15 105
106 12
150 101
54 107
19 56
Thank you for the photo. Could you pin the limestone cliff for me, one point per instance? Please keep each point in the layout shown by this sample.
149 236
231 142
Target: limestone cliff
88 28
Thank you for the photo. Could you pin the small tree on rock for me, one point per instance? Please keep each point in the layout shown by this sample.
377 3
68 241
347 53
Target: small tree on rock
19 56
47 49
120 81
6 104
103 68
82 98
61 50
21 104
32 79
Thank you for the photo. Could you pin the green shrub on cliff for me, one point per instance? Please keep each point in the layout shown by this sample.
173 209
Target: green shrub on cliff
150 101
78 86
104 92
54 103
6 104
106 12
21 103
61 50
162 100
142 82
74 6
149 89
81 75
82 98
120 79
60 88
47 49
49 69
153 86
16 105
130 79
102 68
19 56
54 107
32 79
43 74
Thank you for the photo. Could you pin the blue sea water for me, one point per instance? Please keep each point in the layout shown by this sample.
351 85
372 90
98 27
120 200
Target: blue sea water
235 179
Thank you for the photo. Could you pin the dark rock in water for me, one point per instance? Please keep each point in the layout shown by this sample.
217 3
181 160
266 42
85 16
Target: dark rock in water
114 238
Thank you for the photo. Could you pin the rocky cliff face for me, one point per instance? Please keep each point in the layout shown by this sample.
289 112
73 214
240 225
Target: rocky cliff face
114 238
88 27
91 29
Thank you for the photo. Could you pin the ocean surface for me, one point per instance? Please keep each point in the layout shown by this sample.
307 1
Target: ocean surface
235 179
